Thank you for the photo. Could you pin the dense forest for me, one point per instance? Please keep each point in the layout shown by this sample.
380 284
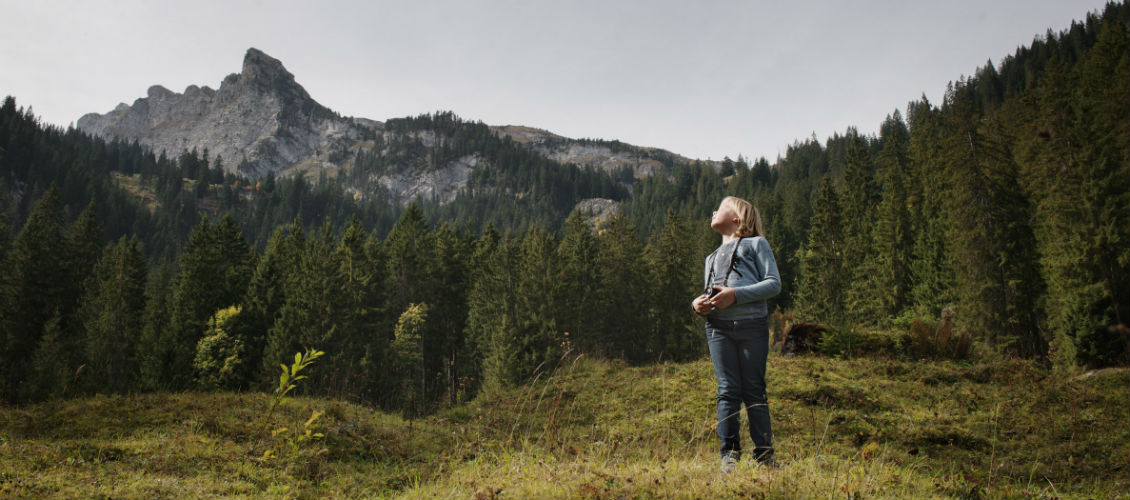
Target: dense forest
1006 206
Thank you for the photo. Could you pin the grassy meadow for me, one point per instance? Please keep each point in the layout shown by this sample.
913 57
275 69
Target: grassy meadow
845 428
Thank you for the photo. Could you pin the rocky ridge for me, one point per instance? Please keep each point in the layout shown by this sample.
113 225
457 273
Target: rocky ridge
608 156
259 120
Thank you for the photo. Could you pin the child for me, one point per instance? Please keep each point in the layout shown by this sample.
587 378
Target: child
740 275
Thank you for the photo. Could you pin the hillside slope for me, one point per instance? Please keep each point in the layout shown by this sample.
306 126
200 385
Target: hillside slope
863 428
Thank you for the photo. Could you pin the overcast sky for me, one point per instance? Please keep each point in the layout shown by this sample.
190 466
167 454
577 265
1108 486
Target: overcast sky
704 79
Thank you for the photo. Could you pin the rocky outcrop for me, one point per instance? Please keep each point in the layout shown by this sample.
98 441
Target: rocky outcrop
599 208
441 184
608 156
259 120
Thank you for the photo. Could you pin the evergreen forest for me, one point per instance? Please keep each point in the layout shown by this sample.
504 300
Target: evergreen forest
1006 207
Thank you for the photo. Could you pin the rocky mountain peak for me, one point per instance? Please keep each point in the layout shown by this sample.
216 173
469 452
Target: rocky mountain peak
265 72
260 120
256 62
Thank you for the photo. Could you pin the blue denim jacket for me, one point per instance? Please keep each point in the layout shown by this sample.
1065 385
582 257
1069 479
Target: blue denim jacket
754 279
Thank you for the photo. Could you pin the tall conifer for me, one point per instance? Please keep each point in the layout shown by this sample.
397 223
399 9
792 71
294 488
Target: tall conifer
821 292
40 279
675 277
889 272
113 318
624 293
1073 148
993 253
857 200
577 254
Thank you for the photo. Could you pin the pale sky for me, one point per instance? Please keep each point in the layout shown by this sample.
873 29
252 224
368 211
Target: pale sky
701 78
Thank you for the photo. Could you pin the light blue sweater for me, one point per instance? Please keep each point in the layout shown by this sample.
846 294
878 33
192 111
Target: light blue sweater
754 279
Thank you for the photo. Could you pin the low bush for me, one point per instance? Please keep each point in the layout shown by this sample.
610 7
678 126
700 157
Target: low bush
938 339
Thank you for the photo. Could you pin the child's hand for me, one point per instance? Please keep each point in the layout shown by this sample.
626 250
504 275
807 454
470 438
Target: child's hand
723 299
701 304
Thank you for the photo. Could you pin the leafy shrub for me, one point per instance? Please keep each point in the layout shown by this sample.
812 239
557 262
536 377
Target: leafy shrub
219 354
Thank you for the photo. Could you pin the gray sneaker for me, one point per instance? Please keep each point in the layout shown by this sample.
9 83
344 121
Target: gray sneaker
729 463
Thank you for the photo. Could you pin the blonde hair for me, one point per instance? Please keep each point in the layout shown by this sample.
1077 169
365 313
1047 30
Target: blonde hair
750 217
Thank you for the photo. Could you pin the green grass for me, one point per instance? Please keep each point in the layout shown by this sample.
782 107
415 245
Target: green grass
861 428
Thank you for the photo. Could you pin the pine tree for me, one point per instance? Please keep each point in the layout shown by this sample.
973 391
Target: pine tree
489 296
993 253
52 372
492 308
360 344
889 269
675 275
112 316
278 278
152 355
7 283
194 301
274 274
310 317
577 254
84 248
820 296
525 340
857 200
933 277
40 278
624 294
410 270
449 316
1073 147
409 250
377 348
236 260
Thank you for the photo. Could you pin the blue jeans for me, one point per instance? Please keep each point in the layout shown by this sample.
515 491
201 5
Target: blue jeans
739 350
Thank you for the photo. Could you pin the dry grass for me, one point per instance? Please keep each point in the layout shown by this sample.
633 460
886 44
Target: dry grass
132 184
861 428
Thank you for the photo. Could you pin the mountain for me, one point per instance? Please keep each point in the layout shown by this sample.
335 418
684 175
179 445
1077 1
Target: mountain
259 121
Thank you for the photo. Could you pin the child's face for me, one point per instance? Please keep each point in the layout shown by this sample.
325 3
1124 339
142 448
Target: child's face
725 220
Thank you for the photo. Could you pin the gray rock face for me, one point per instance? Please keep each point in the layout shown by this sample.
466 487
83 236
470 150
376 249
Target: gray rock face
261 116
644 162
599 208
602 158
442 183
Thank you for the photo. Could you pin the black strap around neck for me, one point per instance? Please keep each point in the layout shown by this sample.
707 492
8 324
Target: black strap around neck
730 269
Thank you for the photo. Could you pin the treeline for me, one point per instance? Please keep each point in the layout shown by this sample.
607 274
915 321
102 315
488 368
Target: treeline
1008 203
163 198
428 315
